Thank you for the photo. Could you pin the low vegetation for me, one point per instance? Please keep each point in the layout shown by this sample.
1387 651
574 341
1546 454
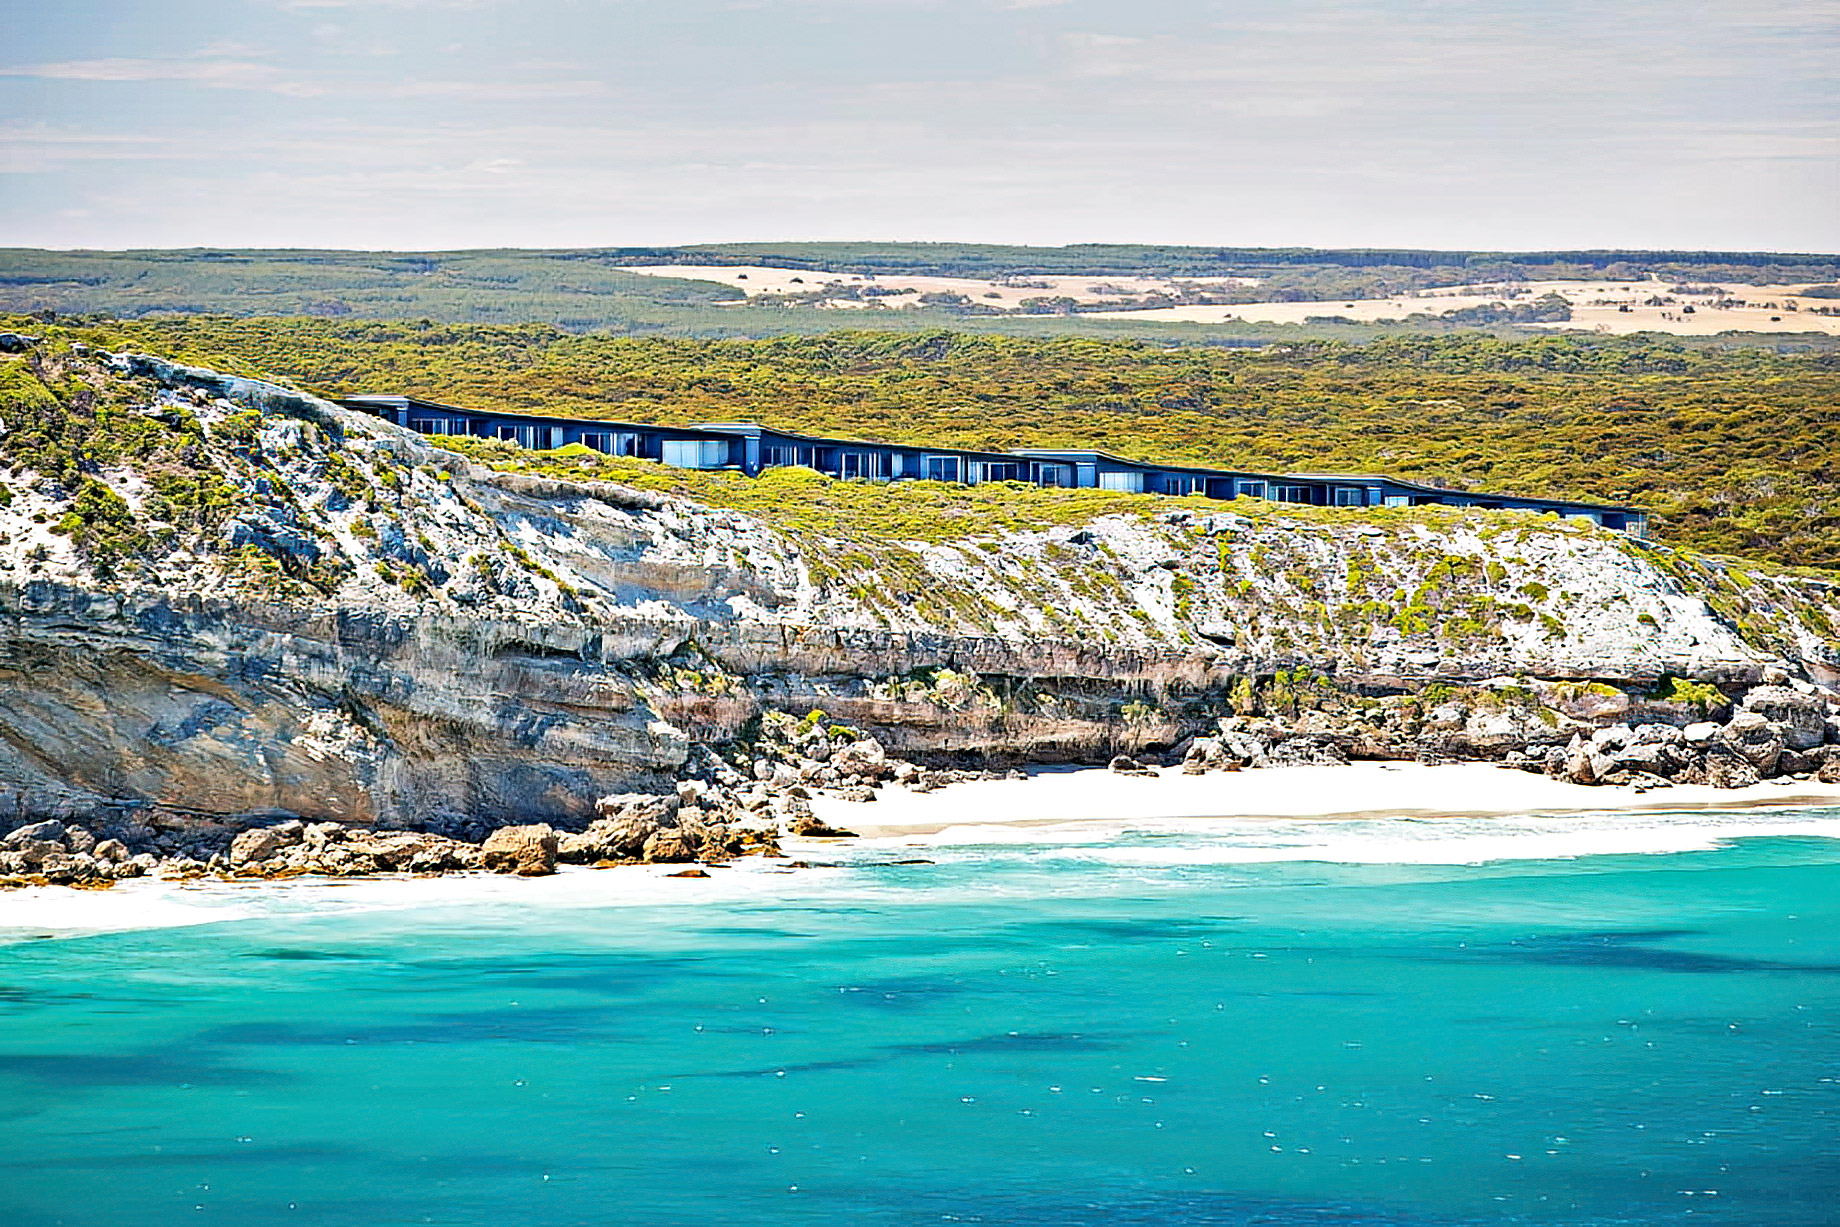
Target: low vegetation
1730 451
588 289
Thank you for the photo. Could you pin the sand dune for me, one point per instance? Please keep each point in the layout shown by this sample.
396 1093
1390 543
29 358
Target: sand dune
1006 294
1597 306
1603 306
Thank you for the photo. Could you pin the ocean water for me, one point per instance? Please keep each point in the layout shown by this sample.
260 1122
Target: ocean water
1587 1020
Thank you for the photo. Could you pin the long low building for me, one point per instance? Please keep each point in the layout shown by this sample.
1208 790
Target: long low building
750 448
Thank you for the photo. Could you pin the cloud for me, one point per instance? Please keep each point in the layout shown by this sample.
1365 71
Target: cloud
213 74
251 75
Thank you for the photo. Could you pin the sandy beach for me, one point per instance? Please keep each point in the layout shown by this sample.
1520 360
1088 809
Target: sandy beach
1358 790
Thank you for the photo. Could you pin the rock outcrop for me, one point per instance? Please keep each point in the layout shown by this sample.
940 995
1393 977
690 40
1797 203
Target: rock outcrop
299 639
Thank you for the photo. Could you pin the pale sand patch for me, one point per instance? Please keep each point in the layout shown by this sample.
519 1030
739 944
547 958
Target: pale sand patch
1357 790
1006 294
1597 306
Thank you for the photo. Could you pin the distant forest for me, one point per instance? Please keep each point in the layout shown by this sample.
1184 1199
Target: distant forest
1731 450
586 290
1409 267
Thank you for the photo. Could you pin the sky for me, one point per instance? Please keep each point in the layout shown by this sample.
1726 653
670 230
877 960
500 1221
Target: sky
438 124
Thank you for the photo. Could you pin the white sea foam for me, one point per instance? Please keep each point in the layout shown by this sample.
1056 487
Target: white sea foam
1457 840
1133 847
152 903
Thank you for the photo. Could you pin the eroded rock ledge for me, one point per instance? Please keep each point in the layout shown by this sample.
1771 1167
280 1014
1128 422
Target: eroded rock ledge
403 651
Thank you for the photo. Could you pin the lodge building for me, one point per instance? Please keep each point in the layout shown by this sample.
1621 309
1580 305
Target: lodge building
750 448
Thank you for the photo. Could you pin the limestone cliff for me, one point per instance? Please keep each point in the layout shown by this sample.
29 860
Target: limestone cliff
223 598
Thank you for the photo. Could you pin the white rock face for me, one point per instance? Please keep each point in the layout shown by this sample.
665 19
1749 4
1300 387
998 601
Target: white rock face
415 634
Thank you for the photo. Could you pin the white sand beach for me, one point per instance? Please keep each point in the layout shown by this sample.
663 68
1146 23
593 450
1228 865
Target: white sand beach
1358 790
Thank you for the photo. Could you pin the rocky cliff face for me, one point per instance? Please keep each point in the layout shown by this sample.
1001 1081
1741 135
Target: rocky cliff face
222 601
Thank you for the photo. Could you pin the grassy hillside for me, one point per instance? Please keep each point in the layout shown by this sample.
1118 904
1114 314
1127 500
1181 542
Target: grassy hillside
584 290
1733 451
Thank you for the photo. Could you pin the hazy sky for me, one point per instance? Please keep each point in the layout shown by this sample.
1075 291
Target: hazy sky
467 123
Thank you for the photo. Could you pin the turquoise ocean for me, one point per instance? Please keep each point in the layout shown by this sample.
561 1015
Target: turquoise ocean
1600 1019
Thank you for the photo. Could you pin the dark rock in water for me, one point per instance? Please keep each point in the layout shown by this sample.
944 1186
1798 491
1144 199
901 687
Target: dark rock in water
528 851
689 873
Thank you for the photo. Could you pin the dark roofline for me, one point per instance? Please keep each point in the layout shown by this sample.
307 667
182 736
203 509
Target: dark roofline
1143 464
1425 489
416 402
827 441
728 430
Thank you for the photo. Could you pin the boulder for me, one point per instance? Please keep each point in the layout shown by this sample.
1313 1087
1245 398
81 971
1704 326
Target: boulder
1657 735
1204 754
111 850
625 822
37 832
812 828
1800 762
1242 746
1802 718
1700 735
1304 752
864 758
407 852
256 845
1753 737
528 851
1651 759
32 852
1585 763
1124 764
1830 770
1726 768
642 806
671 845
1611 738
608 839
69 868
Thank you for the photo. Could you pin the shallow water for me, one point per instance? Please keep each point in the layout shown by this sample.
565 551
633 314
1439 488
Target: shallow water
1592 1020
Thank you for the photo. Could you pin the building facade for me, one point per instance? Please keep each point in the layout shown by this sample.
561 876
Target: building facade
750 448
